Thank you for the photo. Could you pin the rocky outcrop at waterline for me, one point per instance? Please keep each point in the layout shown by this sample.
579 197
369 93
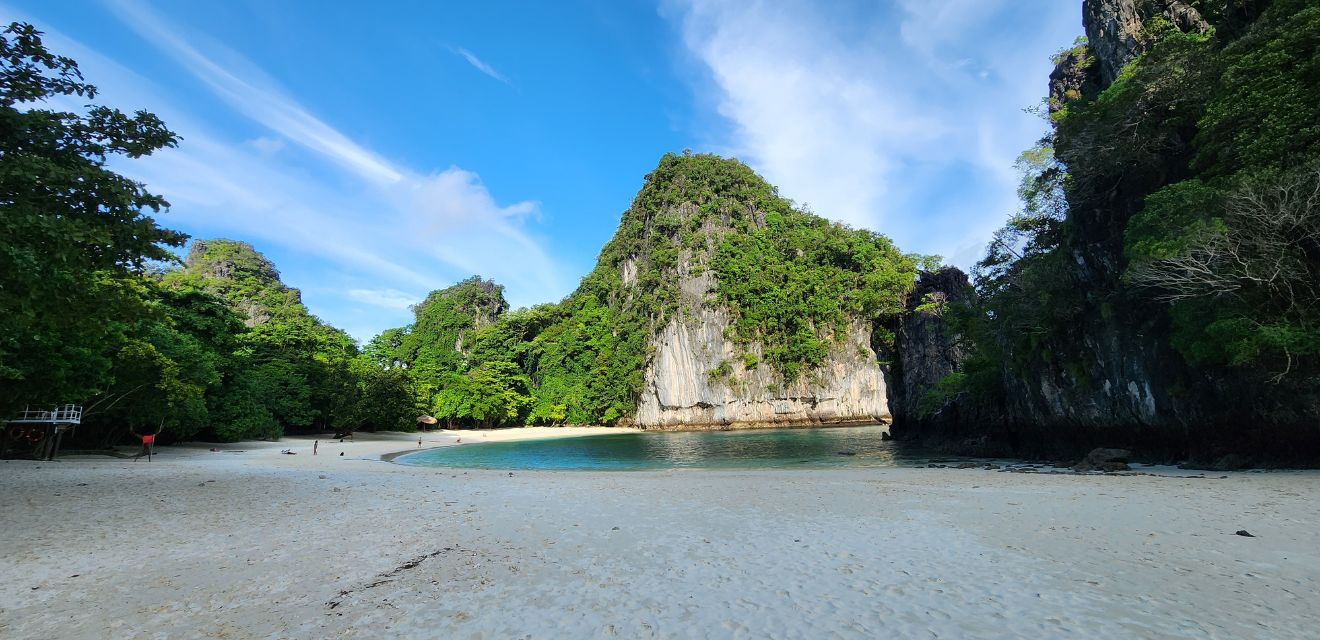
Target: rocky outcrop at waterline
927 349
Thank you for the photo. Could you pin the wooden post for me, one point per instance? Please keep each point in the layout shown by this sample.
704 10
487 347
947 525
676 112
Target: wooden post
55 441
48 444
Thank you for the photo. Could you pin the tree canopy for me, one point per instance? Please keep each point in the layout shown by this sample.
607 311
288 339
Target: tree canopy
96 310
73 232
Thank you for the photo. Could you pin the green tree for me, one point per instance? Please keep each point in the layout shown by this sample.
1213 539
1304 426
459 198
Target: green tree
70 226
492 395
382 399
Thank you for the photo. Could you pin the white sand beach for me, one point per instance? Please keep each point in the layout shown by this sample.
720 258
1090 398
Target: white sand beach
244 542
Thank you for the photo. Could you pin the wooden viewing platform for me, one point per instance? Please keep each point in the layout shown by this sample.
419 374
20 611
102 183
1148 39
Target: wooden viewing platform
36 433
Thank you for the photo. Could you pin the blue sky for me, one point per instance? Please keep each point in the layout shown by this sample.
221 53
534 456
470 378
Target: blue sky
376 151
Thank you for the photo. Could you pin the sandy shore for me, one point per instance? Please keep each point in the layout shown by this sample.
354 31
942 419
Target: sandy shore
202 544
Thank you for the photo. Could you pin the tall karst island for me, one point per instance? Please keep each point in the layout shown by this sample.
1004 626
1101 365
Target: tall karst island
717 303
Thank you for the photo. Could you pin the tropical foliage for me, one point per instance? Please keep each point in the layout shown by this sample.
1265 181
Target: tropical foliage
1198 168
789 279
219 349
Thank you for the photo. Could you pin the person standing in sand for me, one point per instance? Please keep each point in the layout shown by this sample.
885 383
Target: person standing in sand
419 443
315 444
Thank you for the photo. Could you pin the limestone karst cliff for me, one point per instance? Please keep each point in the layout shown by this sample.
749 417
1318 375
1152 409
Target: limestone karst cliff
716 304
927 349
1119 30
773 311
684 385
243 276
679 391
1135 314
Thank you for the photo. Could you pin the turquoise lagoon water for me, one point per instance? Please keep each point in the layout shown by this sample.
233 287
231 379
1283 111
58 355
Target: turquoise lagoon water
840 447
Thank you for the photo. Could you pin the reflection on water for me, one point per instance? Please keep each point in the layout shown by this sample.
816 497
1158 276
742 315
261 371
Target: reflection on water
828 448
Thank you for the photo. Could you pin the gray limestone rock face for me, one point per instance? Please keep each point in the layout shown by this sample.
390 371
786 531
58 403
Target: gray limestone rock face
680 390
699 378
1119 30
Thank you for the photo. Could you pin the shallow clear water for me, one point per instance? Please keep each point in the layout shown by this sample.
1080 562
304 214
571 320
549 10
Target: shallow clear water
771 448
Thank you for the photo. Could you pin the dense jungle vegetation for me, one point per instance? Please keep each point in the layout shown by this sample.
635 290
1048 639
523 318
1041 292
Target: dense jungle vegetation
97 312
788 278
1181 200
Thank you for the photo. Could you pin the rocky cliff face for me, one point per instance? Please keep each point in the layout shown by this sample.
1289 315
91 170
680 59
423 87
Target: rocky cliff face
1114 375
241 274
686 388
1119 30
927 348
747 326
1098 366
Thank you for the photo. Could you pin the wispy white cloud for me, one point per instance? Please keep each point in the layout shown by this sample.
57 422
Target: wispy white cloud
387 298
372 226
481 65
252 92
903 118
266 145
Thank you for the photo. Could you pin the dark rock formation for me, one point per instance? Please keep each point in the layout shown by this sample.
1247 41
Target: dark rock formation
1075 75
1119 30
926 348
1107 374
1106 460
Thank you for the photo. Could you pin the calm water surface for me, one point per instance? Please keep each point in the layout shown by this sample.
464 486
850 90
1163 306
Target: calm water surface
771 448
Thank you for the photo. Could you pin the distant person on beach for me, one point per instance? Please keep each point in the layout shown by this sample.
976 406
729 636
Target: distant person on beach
147 441
419 443
315 444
